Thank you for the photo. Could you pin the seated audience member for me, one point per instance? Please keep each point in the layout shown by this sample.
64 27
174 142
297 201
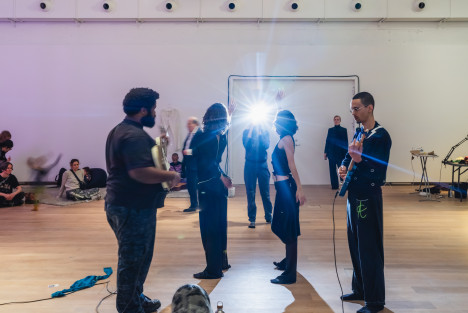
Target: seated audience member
4 135
5 146
191 299
176 166
74 186
11 193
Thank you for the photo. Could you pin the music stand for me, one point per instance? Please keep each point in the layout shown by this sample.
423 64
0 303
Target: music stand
424 183
456 168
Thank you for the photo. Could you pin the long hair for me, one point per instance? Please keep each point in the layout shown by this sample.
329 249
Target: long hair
216 118
285 123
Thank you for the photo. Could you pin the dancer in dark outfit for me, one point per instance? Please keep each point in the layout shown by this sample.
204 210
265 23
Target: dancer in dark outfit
289 196
213 187
365 206
134 193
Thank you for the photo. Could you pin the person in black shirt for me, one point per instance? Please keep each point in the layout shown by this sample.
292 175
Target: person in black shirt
213 185
289 196
256 141
134 193
5 147
11 193
336 147
365 205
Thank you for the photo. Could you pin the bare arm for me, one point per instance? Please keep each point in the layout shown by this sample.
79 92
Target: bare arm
153 175
288 146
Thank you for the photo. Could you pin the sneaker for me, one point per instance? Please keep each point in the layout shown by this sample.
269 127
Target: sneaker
148 305
252 225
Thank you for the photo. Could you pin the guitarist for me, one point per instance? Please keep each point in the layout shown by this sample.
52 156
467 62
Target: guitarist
134 193
365 206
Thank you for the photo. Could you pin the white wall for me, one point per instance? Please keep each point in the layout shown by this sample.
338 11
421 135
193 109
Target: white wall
62 84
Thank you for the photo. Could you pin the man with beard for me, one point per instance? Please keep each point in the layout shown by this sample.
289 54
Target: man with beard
365 205
134 193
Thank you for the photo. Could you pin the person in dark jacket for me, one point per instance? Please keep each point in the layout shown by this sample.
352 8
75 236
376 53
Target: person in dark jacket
256 141
213 185
365 205
336 147
189 164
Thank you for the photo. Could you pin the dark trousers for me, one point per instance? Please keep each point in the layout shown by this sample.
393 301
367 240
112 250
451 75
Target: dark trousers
192 182
17 200
252 172
365 240
333 163
135 232
213 230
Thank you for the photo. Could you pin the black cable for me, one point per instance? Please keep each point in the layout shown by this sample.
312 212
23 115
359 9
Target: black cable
334 251
110 294
31 301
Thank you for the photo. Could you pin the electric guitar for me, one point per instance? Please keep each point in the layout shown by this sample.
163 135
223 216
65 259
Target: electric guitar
351 169
159 152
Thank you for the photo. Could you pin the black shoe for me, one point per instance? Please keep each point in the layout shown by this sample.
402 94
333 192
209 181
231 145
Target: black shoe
370 309
226 267
283 280
190 209
268 221
205 275
352 297
149 305
252 225
280 265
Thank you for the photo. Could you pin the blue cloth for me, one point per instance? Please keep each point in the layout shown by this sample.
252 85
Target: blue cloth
87 282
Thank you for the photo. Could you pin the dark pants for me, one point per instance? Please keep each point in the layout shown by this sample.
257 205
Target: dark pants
252 172
135 232
17 200
365 240
192 182
213 229
333 164
285 223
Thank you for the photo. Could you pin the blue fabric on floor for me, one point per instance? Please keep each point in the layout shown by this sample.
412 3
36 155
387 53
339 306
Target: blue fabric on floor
88 281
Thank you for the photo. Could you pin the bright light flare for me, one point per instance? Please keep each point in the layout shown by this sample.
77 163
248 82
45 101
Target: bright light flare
259 113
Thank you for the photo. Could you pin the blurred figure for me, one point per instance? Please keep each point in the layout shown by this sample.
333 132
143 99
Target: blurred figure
336 147
5 147
4 135
191 299
256 141
11 193
40 171
189 164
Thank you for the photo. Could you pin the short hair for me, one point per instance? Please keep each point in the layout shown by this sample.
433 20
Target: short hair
5 135
175 153
4 166
7 143
216 118
285 123
337 116
138 98
73 161
366 98
87 169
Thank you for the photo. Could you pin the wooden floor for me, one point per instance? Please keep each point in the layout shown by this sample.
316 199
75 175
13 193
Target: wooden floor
426 256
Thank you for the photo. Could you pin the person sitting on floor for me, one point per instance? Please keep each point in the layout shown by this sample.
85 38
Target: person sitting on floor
5 146
176 166
11 193
73 184
87 175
